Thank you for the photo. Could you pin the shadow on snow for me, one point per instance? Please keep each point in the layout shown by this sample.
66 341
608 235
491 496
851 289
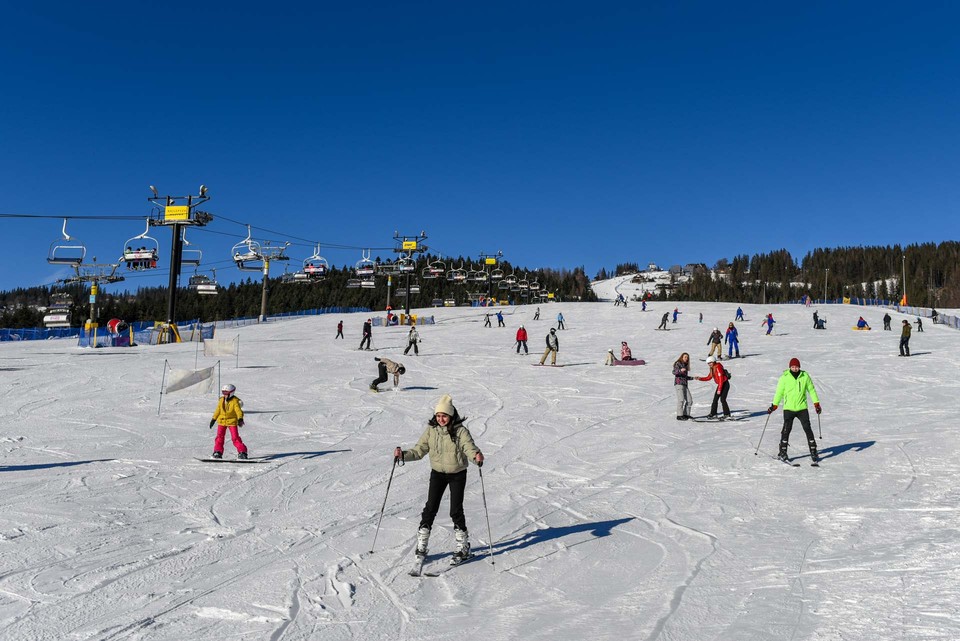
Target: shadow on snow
45 466
274 457
598 529
837 450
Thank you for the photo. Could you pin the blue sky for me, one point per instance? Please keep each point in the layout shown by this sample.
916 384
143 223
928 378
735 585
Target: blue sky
562 133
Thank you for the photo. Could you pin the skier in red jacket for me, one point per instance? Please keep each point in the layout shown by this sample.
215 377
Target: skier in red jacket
722 379
522 340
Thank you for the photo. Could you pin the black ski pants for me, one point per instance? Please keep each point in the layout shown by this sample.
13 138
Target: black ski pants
439 481
904 346
720 396
381 375
525 350
413 344
804 416
365 342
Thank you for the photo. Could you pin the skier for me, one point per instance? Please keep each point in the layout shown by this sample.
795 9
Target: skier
522 340
768 321
450 446
536 316
339 331
385 366
919 324
367 334
413 337
500 322
732 340
680 378
886 321
560 324
905 339
739 315
715 340
228 416
486 321
793 387
701 317
616 301
643 306
676 312
816 319
553 346
625 353
663 321
722 379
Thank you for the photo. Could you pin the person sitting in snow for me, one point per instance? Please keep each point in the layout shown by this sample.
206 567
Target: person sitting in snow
625 353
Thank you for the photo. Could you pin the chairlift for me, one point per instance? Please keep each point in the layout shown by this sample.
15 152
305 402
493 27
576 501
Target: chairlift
457 275
353 283
137 256
66 250
365 268
477 276
189 256
203 284
496 274
248 251
405 265
388 268
535 286
315 267
435 269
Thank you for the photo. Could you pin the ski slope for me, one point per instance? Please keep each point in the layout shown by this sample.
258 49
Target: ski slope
610 519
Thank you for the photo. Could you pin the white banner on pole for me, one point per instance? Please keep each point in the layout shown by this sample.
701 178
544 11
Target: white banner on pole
180 379
216 347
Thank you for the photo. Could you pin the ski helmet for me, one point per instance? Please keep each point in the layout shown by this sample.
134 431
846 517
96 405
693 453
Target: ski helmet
228 389
711 359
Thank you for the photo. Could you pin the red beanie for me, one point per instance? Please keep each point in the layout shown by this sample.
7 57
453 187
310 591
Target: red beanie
794 361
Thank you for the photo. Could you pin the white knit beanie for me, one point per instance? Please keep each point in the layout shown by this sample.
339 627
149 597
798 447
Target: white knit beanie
445 406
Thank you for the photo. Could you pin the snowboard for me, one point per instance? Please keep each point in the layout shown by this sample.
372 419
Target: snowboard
544 365
258 459
636 361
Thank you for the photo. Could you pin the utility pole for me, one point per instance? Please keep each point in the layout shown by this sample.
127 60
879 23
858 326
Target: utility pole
178 212
486 260
826 274
408 247
904 259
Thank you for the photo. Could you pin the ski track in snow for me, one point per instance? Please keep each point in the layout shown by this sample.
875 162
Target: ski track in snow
609 518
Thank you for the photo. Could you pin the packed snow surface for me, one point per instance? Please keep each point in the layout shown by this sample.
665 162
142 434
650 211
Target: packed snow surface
610 519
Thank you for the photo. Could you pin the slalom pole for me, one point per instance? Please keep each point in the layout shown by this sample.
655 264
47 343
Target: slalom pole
763 432
384 506
483 492
819 427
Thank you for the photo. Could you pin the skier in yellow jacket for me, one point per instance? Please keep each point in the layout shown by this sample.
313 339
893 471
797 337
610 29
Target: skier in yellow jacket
228 416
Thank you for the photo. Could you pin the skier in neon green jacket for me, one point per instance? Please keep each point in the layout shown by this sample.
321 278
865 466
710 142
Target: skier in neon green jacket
793 387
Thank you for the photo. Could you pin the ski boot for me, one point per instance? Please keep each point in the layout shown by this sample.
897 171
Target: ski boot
242 456
423 537
462 553
814 456
782 455
217 455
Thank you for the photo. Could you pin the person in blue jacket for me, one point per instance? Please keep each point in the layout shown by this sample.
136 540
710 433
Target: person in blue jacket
731 340
739 315
500 322
676 312
643 306
768 321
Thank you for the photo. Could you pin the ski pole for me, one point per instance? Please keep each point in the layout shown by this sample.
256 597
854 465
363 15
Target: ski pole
762 433
819 427
396 459
483 492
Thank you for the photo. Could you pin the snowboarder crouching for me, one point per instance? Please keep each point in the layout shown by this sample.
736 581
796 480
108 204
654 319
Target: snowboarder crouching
385 366
228 416
450 447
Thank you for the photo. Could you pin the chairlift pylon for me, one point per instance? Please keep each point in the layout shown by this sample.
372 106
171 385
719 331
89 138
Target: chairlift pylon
66 250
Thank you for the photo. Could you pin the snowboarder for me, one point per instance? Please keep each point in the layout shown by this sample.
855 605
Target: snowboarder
553 346
560 324
722 379
905 339
386 366
228 416
701 317
676 312
732 340
715 340
862 324
625 353
500 322
643 306
886 321
681 376
739 316
486 321
339 331
536 316
919 324
663 321
793 387
367 334
768 321
413 337
522 340
450 446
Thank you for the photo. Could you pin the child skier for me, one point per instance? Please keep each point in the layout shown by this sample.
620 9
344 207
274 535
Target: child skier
450 447
522 340
793 387
768 321
228 416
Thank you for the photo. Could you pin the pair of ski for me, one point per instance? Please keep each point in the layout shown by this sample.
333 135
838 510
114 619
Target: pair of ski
417 569
792 464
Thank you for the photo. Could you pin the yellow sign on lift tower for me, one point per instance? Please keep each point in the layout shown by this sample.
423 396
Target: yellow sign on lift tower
176 212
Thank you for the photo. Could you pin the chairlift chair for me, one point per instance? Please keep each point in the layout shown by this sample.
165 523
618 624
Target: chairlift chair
405 265
189 256
138 257
316 266
353 283
415 288
66 250
248 251
496 274
436 269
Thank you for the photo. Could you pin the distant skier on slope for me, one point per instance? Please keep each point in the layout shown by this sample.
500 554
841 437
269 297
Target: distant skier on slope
228 416
450 446
793 387
553 346
413 337
367 334
905 339
715 342
522 340
663 320
676 312
768 321
739 316
731 339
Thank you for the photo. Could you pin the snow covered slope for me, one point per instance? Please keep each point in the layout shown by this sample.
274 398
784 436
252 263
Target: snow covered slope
609 518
